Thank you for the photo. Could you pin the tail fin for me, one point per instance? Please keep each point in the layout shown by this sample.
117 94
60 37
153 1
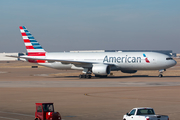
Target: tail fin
32 46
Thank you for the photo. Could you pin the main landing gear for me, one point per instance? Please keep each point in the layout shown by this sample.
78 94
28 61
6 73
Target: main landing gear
161 72
88 76
86 73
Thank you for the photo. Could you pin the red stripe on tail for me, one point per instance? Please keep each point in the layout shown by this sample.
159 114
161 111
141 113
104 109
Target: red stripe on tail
36 54
20 27
29 47
26 40
23 34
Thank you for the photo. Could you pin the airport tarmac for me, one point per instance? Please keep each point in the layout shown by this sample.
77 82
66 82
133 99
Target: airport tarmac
85 99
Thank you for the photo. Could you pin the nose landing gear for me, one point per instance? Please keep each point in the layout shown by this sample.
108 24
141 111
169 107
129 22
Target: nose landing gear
161 72
160 75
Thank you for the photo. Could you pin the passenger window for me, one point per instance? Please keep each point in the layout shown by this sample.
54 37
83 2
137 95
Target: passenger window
132 112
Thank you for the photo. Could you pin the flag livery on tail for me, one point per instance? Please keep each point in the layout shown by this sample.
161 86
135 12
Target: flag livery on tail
32 46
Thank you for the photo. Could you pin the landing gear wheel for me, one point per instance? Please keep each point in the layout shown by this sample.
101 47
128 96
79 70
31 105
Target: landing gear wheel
84 76
80 76
160 75
88 76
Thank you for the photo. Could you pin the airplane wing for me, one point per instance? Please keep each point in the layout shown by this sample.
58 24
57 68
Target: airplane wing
58 60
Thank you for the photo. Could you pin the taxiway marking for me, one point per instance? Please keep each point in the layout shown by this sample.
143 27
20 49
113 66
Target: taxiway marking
17 114
9 118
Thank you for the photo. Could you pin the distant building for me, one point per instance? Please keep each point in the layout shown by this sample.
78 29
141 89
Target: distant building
3 56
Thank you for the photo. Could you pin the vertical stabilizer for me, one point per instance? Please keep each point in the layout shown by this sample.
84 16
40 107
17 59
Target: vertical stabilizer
32 46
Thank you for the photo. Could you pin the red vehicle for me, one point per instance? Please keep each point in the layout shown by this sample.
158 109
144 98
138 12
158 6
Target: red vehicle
45 111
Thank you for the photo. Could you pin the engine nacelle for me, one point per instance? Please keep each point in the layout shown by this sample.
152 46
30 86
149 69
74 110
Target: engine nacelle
129 71
100 69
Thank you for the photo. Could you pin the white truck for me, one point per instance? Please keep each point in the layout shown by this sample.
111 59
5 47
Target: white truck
144 114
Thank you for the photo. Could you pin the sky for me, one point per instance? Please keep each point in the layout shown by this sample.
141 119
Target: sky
64 25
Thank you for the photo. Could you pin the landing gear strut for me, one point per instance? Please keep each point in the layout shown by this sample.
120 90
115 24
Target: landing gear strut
161 72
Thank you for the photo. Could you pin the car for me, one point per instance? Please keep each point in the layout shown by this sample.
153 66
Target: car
144 113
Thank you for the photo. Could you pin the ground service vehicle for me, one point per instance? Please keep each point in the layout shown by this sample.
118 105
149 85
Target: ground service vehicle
144 114
45 111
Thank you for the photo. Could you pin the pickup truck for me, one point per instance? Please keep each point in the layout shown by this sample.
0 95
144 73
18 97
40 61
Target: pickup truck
144 114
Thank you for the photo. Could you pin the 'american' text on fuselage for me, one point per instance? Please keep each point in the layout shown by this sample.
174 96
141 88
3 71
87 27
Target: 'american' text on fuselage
122 59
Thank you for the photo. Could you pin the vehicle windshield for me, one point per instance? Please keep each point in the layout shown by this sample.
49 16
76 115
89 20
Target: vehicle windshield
145 112
48 108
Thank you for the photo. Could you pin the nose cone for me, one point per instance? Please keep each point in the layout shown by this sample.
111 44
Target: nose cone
172 63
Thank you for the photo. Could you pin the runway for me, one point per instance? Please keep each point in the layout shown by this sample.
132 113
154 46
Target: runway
85 99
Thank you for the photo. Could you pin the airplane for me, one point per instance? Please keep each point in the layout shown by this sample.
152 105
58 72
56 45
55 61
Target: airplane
98 63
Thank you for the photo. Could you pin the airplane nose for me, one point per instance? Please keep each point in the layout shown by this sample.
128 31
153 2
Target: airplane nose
174 62
171 63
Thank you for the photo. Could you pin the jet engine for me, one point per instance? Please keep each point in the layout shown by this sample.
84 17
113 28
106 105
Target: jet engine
129 71
101 69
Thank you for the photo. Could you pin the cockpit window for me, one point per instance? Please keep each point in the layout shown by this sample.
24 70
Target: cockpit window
169 58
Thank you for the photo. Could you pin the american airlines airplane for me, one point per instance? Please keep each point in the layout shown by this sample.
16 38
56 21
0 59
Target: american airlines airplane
99 63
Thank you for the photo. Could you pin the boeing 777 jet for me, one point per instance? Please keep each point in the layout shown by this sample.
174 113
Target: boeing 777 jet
99 63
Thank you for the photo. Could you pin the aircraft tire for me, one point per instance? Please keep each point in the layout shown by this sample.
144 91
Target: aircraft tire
88 76
160 75
80 76
84 76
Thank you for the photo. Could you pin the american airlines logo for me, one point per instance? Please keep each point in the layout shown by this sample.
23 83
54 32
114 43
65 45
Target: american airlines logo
146 59
126 59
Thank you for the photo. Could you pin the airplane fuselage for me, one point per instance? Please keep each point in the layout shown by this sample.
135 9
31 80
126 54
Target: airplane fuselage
118 60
